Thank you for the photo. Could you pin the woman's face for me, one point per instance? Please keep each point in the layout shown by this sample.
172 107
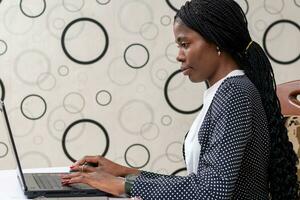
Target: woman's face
199 58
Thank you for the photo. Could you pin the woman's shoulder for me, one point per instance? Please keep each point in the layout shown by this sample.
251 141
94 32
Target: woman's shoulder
238 85
234 91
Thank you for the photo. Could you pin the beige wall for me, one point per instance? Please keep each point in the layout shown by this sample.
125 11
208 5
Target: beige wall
127 102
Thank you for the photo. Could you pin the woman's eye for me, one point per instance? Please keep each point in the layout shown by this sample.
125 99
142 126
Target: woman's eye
184 45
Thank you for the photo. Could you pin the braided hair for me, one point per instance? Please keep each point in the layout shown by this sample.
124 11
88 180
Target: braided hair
224 23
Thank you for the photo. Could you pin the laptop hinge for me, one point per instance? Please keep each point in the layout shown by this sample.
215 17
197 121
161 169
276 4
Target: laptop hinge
24 187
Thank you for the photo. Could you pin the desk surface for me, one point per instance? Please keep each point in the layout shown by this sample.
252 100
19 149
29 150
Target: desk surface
10 187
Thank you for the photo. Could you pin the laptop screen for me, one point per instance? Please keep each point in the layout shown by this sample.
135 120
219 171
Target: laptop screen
12 143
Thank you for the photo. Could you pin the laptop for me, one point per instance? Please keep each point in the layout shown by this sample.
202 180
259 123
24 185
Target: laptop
45 184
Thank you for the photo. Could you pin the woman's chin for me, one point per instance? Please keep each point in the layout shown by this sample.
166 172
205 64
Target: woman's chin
194 79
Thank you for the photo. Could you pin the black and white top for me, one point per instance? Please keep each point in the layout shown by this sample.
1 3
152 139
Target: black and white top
234 156
192 147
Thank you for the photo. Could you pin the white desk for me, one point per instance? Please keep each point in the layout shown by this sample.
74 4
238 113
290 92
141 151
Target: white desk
10 187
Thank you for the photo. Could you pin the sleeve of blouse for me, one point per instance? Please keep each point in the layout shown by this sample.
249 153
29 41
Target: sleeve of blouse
218 167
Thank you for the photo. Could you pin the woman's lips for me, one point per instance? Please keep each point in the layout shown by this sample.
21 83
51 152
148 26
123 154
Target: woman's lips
186 70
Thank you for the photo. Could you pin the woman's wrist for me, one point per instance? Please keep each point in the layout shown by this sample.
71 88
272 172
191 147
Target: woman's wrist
129 181
116 186
121 187
127 171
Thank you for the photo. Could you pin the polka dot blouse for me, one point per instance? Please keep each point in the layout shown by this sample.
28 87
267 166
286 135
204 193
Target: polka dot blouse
234 157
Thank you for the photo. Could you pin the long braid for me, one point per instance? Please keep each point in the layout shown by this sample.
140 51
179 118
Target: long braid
223 23
283 181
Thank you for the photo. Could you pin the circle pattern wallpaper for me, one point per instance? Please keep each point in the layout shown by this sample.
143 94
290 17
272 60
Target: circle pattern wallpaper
100 77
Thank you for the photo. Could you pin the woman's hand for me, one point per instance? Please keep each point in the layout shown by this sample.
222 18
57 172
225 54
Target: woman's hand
97 179
103 165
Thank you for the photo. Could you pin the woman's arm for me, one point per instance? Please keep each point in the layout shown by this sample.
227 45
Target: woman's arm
102 164
219 165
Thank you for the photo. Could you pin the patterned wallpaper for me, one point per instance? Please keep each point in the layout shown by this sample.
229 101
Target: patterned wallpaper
100 77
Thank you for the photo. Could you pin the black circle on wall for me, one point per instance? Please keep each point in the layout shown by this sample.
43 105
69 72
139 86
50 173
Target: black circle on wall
169 101
33 118
179 170
176 9
83 121
295 1
171 6
2 90
137 167
32 16
247 7
5 47
64 35
136 67
265 41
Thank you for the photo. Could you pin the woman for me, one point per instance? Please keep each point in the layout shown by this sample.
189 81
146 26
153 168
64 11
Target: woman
237 147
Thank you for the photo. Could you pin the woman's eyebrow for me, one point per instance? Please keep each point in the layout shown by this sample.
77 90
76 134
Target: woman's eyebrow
180 39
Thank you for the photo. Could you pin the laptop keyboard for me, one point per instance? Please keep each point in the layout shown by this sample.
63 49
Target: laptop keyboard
48 181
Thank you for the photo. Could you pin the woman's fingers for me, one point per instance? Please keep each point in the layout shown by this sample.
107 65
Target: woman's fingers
86 168
100 180
76 175
85 159
74 178
78 163
82 178
71 175
83 168
92 159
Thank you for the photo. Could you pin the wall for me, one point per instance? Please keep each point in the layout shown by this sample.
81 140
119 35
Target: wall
95 72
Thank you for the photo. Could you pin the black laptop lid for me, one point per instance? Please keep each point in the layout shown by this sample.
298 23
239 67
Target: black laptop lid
12 143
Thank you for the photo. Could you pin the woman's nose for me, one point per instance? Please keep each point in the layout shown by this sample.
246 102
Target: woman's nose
180 56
